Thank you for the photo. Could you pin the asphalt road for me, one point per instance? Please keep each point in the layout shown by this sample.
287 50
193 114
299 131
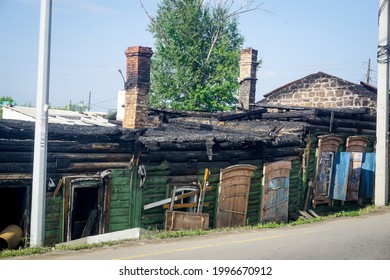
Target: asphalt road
365 237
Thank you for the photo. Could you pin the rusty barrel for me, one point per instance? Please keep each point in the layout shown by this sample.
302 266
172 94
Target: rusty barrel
10 237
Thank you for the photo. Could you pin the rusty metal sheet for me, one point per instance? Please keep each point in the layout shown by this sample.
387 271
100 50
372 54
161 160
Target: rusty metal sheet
340 176
233 195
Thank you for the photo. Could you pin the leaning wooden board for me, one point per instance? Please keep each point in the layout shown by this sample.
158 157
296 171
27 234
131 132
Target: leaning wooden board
179 220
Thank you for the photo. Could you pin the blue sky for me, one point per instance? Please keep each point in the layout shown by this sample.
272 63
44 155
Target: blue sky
294 38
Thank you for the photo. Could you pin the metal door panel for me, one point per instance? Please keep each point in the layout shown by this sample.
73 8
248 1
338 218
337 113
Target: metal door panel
367 176
340 175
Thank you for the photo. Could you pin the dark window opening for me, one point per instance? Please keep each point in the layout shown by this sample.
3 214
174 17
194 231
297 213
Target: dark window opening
13 207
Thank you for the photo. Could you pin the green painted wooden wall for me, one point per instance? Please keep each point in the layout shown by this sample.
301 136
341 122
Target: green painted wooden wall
125 200
297 188
54 219
255 196
156 188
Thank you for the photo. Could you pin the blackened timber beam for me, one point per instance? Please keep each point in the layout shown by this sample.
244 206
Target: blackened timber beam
217 155
27 145
347 130
281 107
6 156
284 151
180 114
342 114
254 113
288 115
340 122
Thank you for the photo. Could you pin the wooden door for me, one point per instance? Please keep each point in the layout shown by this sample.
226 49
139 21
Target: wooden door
233 195
324 177
327 148
275 192
355 170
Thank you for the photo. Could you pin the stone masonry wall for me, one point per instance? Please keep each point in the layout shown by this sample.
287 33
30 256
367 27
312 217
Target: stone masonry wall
247 79
322 91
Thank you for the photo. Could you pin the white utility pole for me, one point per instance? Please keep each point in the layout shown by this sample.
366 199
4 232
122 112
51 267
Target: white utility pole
382 122
38 197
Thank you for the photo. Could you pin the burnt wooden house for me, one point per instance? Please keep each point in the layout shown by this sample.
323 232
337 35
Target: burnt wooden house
100 178
94 171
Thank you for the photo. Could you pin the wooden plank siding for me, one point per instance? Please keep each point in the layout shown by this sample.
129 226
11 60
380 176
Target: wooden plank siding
155 189
297 188
255 193
54 219
120 200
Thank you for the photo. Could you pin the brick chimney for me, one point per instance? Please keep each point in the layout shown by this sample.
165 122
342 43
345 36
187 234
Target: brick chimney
137 87
247 79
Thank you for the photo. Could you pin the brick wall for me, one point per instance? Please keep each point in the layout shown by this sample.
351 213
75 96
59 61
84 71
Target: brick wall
137 87
322 91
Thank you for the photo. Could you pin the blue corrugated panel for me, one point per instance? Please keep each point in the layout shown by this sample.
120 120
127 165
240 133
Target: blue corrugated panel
340 175
367 176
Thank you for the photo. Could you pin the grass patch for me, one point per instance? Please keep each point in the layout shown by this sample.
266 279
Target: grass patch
79 247
179 233
24 252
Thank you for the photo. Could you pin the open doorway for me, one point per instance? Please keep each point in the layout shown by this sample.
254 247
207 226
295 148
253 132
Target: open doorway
84 207
14 207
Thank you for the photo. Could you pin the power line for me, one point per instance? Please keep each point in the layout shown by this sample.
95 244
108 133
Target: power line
108 100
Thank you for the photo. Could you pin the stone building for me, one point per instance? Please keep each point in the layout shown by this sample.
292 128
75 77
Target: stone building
322 90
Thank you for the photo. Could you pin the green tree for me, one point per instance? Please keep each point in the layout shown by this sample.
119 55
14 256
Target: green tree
196 58
4 101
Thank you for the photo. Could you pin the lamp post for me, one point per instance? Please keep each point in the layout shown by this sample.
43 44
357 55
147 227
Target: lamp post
123 78
38 196
382 123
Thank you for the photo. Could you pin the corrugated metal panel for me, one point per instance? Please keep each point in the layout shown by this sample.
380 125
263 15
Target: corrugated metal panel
340 176
367 178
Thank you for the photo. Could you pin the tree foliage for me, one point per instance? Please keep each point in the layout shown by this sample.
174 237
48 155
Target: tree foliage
4 101
196 58
7 99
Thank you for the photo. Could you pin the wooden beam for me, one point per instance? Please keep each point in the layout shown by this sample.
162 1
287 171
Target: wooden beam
168 200
185 205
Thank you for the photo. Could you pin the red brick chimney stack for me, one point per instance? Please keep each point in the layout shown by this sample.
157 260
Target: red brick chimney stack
137 87
247 79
